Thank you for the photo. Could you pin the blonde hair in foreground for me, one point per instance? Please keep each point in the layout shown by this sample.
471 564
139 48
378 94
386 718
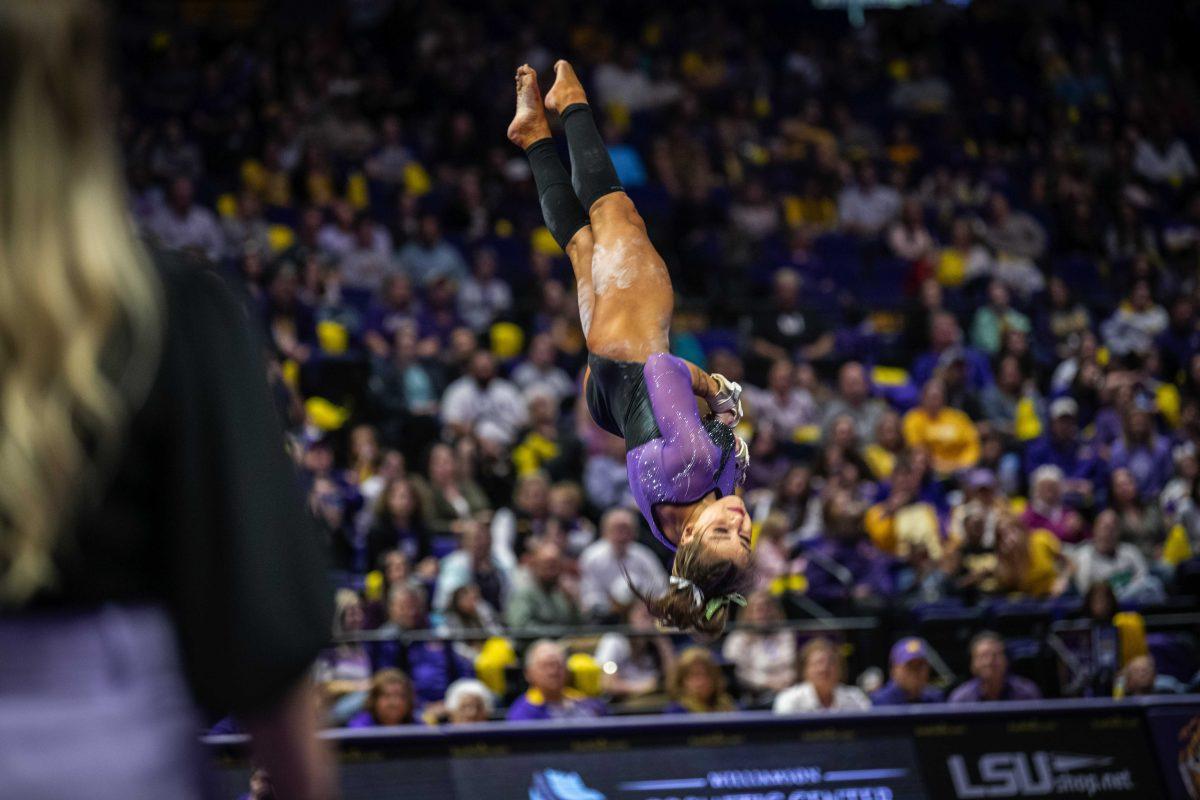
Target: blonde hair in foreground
79 307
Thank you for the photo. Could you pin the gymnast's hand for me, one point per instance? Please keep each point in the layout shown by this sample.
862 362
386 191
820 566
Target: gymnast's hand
741 452
726 402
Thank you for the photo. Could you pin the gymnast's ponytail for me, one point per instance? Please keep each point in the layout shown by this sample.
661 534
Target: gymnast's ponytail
700 593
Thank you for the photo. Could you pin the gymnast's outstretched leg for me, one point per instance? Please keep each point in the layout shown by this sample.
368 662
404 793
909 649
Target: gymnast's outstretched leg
564 215
625 294
634 299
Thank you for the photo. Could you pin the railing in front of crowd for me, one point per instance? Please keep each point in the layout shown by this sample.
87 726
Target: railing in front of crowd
1040 644
531 633
859 637
1137 748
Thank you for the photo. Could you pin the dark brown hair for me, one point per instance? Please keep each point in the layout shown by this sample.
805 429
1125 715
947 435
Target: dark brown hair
714 577
384 678
384 514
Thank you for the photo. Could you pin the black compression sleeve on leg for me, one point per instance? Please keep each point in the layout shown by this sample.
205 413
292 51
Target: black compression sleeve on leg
592 171
560 207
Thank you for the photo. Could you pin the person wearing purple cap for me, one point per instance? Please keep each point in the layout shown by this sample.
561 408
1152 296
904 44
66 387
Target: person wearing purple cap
909 681
981 478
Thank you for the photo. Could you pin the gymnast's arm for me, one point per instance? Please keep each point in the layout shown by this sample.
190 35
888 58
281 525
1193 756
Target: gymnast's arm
673 385
704 385
722 396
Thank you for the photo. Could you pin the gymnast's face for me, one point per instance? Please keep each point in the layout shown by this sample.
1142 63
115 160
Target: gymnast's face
724 528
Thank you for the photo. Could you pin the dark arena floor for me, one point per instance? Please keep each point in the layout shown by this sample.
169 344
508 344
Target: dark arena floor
935 268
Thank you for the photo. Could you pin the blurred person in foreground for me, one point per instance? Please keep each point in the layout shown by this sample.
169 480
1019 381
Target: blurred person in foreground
909 679
992 680
150 523
260 786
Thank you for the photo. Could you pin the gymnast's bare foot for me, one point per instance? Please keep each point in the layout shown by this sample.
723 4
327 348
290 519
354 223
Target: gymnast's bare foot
529 123
567 90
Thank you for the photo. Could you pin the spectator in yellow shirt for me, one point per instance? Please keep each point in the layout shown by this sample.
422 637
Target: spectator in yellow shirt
902 524
1031 562
882 454
947 434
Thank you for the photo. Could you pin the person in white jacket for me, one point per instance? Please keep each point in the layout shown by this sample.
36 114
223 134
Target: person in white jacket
1120 564
604 565
822 671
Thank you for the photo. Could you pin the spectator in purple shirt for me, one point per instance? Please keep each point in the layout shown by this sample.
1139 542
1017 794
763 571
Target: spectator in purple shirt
909 683
945 339
396 308
843 564
992 680
1181 339
1047 507
433 664
548 696
1143 451
1085 473
390 701
399 523
440 315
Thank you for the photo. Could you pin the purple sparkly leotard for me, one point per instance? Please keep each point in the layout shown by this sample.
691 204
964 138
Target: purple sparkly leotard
682 460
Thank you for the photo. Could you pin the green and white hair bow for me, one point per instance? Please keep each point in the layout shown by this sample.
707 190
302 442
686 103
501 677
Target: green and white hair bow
714 604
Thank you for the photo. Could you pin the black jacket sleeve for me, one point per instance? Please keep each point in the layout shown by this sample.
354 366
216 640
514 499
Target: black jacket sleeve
245 573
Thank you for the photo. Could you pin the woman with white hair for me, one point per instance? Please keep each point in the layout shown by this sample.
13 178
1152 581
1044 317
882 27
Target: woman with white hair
1048 510
468 700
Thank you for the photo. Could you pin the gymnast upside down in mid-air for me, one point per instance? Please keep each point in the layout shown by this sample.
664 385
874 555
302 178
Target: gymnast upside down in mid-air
683 469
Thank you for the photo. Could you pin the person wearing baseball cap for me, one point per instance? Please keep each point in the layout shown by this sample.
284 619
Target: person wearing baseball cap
909 681
1085 473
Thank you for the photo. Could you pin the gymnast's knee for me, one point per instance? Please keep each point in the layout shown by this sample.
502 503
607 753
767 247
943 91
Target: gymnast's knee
616 208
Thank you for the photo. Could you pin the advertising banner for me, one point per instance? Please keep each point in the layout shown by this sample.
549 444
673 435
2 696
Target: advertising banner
1033 755
879 769
1091 750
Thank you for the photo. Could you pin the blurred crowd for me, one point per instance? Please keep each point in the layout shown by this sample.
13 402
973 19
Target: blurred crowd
952 254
